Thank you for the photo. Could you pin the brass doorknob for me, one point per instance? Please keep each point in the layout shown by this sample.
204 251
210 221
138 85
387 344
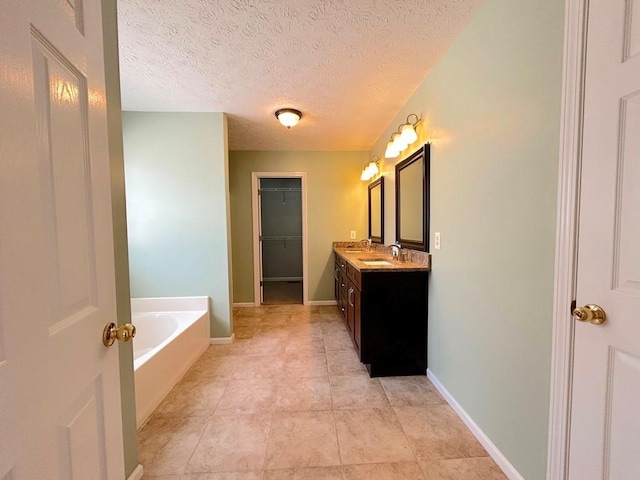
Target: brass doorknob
590 313
112 332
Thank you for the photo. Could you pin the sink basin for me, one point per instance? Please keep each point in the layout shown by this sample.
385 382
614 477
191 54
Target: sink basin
375 263
353 251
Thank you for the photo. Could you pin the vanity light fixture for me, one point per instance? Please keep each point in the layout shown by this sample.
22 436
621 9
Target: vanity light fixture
404 137
371 169
289 117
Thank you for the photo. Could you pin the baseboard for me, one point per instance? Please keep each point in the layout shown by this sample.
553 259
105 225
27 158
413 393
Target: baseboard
321 303
137 473
223 340
243 304
502 462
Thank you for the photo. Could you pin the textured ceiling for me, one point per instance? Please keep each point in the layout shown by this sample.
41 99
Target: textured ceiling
348 65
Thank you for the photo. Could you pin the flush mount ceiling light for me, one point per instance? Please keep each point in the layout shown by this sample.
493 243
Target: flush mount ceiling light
371 169
289 117
404 137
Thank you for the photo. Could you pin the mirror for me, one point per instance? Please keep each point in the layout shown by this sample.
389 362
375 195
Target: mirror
412 200
376 211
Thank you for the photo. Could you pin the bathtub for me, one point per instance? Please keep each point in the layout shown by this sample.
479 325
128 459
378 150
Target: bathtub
171 333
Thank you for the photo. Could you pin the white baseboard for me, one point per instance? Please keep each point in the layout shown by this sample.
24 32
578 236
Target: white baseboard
137 473
222 340
244 304
502 462
321 303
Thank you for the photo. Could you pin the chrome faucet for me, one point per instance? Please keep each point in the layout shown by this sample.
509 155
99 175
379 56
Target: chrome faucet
368 244
395 250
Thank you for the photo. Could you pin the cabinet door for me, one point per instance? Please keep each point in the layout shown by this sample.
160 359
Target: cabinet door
356 318
350 308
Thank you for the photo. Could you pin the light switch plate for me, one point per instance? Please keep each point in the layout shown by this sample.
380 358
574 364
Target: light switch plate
353 234
436 241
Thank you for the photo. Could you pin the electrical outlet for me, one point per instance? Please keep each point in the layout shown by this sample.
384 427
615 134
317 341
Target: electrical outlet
436 241
353 234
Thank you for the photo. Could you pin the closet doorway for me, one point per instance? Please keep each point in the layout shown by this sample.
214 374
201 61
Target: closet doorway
279 238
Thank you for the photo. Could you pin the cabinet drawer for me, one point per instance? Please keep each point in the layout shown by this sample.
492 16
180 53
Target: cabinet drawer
354 275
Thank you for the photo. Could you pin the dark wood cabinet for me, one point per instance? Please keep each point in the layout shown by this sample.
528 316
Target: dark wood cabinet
386 315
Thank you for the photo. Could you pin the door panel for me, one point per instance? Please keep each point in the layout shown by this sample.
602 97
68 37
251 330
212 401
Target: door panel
622 443
605 423
60 412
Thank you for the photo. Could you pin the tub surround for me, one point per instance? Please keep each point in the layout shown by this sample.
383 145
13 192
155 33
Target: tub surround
164 356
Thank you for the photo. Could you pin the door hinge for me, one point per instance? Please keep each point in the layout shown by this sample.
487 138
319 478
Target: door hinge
572 307
261 283
259 192
260 237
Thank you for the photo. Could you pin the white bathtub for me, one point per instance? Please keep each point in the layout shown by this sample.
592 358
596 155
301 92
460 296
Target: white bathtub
171 333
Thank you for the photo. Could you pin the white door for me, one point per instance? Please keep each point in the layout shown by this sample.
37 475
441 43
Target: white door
59 386
605 418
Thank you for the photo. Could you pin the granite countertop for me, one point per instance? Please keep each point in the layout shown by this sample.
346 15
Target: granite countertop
355 255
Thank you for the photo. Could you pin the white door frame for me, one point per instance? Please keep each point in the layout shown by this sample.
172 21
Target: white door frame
255 208
575 32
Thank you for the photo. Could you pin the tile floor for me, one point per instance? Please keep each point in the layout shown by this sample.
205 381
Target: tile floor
289 400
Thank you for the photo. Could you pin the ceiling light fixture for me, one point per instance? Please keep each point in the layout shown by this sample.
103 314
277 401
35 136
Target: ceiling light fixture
404 137
289 117
370 169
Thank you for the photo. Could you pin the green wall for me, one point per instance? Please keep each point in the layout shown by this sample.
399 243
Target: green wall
178 208
114 118
336 204
492 112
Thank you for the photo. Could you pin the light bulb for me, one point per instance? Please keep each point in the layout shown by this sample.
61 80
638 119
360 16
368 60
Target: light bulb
408 134
364 176
398 142
374 168
391 151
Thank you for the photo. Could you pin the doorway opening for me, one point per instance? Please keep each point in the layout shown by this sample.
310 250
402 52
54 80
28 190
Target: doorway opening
279 238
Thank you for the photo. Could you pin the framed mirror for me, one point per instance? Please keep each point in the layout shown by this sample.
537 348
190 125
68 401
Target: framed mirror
412 200
376 211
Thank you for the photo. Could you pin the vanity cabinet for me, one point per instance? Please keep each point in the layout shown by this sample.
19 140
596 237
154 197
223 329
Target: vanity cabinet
385 312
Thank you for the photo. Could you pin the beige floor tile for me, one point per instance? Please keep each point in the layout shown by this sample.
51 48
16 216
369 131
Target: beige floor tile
249 312
305 346
238 347
299 366
462 469
259 366
405 391
234 443
193 398
299 394
357 391
211 368
166 443
305 330
337 341
383 471
302 439
344 362
275 331
224 476
371 436
312 473
436 432
245 331
246 396
267 345
331 328
275 318
328 309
